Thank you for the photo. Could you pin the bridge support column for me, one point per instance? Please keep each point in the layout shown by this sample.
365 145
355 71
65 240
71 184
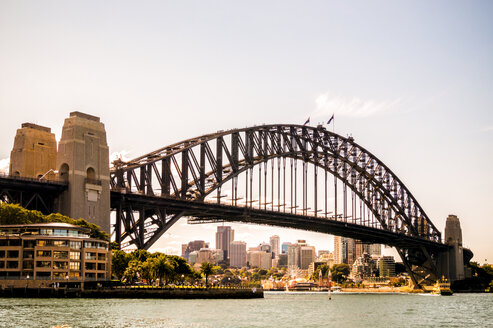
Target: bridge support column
83 161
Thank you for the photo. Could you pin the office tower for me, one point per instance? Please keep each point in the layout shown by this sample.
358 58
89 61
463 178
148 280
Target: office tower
275 245
238 254
284 247
224 237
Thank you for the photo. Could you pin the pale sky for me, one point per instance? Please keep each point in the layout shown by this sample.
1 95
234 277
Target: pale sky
411 81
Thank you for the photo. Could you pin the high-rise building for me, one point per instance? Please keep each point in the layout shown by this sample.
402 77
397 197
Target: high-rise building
307 256
300 255
224 237
344 250
264 247
285 247
275 245
210 255
386 266
193 246
238 254
259 259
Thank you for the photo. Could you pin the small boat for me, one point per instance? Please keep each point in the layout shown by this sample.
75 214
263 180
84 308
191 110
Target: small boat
442 287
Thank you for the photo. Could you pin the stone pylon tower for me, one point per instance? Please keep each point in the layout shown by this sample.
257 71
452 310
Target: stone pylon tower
453 238
83 160
34 152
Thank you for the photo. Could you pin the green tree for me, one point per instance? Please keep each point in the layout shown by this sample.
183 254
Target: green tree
340 272
149 270
164 269
119 263
16 214
140 254
316 274
133 271
207 269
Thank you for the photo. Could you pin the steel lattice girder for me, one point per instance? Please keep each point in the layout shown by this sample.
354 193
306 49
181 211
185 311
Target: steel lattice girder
185 175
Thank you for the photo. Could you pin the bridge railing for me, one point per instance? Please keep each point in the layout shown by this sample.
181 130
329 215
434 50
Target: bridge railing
29 179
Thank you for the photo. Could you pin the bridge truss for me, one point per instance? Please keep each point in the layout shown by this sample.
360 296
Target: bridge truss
282 175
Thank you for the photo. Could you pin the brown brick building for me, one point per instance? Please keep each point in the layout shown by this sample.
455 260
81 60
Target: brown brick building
37 255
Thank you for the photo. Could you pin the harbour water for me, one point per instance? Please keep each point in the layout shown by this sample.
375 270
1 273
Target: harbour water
277 309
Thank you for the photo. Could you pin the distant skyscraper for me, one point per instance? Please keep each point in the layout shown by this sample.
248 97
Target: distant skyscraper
344 250
238 254
193 246
224 237
284 248
300 255
275 245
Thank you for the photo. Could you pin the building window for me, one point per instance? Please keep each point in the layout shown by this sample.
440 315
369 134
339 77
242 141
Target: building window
60 243
44 242
43 275
12 254
2 264
29 243
75 255
14 242
76 244
46 232
60 275
60 265
2 254
28 254
101 266
60 254
74 274
74 265
101 256
43 253
90 256
43 264
12 264
60 232
90 266
27 265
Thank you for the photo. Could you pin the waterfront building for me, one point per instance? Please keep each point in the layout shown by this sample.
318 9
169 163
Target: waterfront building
347 250
275 245
386 266
363 267
224 236
238 256
327 258
37 255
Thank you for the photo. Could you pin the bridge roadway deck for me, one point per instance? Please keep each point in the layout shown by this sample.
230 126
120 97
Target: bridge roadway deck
203 212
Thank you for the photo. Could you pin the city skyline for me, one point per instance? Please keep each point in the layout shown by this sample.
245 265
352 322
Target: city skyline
410 85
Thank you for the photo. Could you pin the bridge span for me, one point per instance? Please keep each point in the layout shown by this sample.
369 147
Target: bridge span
283 175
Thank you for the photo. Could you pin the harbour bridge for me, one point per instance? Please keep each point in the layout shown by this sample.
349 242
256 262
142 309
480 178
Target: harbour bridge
291 176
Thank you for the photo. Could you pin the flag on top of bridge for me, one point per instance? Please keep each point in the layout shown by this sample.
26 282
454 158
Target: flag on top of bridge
330 120
307 121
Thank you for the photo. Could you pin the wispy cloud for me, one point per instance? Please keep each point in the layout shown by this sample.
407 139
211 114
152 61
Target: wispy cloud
329 103
488 128
4 165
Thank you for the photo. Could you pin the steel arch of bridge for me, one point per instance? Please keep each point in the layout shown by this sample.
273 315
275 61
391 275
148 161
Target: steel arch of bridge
193 169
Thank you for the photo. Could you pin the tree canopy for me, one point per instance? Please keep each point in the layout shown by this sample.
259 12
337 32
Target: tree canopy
11 214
